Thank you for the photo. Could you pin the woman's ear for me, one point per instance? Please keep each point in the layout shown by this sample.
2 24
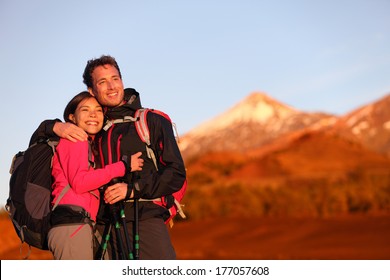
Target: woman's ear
72 118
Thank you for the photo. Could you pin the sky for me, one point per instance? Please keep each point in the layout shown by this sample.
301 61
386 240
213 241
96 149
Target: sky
192 59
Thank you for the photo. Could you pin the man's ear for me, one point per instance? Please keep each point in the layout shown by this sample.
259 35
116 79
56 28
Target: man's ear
91 92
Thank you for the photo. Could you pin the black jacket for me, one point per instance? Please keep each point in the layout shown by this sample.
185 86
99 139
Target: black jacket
122 140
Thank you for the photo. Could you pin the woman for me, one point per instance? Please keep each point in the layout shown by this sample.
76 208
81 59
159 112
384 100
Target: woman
76 182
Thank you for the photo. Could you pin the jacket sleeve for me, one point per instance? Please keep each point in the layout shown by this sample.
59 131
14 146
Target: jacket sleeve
171 174
73 158
44 130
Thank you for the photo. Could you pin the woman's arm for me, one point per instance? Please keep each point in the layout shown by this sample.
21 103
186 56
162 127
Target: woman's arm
74 160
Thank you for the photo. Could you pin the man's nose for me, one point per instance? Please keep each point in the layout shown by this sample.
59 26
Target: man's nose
109 85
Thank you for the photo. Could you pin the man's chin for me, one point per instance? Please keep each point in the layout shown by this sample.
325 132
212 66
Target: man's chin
111 103
114 101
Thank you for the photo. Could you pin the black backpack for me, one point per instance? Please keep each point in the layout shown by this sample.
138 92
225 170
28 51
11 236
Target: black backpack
30 187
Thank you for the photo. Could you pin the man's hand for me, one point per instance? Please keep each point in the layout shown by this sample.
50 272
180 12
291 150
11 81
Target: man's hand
115 193
70 131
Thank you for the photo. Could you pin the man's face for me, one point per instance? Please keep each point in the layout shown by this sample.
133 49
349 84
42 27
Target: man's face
107 86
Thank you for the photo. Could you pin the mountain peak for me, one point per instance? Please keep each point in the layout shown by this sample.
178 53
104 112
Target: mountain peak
255 120
258 120
256 97
255 108
262 107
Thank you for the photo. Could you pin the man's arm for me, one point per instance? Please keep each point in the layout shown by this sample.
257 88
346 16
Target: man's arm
70 131
172 174
56 128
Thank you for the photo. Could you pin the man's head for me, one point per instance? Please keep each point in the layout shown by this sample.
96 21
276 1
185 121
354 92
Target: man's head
103 78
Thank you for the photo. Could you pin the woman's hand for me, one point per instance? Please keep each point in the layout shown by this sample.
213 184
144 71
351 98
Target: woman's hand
136 162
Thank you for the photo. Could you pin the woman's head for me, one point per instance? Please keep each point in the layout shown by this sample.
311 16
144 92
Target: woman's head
84 111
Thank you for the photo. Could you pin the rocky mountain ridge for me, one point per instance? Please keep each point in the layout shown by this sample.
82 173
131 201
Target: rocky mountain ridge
259 120
369 125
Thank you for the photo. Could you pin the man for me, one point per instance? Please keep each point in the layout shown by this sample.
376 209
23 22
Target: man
103 79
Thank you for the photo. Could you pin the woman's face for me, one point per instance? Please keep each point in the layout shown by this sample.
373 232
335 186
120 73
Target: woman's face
88 116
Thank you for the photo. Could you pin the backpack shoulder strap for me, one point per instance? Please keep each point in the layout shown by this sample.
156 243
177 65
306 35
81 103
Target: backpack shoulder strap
53 144
141 125
63 192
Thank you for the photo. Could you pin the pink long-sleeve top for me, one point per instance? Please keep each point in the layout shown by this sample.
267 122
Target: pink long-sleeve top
71 166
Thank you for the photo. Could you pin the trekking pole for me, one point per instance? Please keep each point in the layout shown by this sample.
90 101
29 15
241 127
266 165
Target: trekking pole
105 241
136 218
115 222
123 217
136 229
118 234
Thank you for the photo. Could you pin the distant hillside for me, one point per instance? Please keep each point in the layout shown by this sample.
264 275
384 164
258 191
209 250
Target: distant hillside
264 158
369 125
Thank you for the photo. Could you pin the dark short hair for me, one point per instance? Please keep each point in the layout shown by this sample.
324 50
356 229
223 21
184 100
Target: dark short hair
74 102
93 63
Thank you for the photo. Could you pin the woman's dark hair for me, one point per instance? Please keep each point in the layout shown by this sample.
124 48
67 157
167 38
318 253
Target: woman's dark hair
93 63
74 102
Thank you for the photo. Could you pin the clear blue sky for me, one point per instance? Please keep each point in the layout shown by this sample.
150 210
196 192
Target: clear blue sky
192 59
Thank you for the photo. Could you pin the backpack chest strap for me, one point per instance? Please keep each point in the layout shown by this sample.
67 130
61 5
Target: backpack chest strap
125 119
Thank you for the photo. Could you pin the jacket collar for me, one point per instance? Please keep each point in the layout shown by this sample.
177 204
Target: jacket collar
132 103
